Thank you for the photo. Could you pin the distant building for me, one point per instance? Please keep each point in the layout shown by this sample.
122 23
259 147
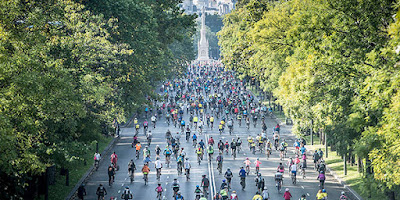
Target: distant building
220 7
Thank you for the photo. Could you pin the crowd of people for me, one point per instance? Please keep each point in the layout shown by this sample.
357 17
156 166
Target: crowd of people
209 97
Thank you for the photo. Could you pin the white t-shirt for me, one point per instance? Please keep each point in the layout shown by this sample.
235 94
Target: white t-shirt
187 164
158 164
294 168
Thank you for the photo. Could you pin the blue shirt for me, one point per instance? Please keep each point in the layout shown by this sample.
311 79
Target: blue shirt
194 137
201 143
183 122
242 173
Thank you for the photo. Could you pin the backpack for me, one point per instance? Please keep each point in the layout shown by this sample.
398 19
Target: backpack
126 195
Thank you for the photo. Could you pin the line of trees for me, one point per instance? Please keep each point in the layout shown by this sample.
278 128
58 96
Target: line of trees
334 66
69 67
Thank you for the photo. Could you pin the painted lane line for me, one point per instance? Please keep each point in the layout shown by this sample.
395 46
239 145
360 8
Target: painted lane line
308 194
119 191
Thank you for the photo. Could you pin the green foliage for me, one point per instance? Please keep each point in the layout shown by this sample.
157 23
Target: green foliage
330 61
67 69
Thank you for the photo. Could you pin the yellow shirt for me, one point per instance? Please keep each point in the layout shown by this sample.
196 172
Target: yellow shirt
257 197
321 195
195 119
211 119
222 122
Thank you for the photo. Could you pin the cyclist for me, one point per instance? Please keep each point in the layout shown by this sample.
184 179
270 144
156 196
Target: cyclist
175 187
81 191
198 192
187 133
257 164
211 141
149 136
179 196
276 140
287 194
265 194
97 158
179 163
194 137
101 192
146 152
321 177
234 196
111 174
227 146
153 120
279 178
224 193
127 194
250 140
242 175
138 146
199 152
159 191
158 151
233 146
145 125
239 143
210 151
303 197
281 168
220 128
205 183
247 164
223 184
131 169
114 159
187 167
158 165
257 196
228 176
343 196
212 121
145 171
221 146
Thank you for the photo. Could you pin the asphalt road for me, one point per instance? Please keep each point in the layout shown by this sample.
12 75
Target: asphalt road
125 152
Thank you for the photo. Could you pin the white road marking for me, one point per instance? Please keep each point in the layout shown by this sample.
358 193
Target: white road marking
123 184
119 191
302 187
308 194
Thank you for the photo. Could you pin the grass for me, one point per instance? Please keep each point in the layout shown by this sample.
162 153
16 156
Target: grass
353 177
59 189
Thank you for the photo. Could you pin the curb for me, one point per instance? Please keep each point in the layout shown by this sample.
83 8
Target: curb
353 194
73 194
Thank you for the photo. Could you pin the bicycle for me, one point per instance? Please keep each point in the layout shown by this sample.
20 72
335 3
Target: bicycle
187 174
145 177
219 167
198 158
268 152
230 130
137 154
303 173
158 174
293 176
131 175
159 195
279 186
243 182
247 169
234 154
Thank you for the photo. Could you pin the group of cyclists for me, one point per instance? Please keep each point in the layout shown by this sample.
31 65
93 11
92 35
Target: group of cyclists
205 96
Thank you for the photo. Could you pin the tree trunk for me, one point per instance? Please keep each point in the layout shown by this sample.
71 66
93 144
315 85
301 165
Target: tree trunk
359 165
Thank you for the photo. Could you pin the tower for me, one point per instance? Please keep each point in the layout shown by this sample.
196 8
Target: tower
203 43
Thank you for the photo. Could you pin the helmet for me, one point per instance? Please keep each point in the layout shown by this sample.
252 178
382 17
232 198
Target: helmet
187 158
223 181
204 175
287 189
247 158
179 193
257 192
126 187
258 158
343 193
228 169
157 158
321 172
157 145
259 174
323 190
197 186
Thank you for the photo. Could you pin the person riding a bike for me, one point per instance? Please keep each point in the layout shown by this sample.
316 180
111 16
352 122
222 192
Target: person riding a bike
228 176
233 146
131 168
257 164
210 151
101 192
145 171
175 187
187 167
